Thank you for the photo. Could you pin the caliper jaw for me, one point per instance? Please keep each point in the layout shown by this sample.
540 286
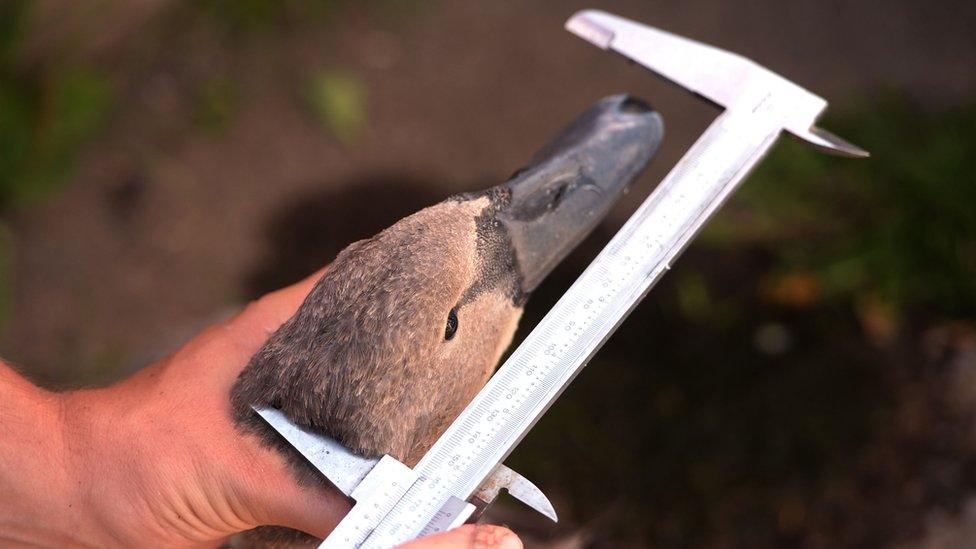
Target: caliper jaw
456 511
721 77
517 486
361 478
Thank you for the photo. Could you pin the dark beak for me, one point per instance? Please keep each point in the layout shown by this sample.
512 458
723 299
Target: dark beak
573 182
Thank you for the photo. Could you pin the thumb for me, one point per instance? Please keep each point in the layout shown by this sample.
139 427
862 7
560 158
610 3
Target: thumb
259 482
252 326
311 507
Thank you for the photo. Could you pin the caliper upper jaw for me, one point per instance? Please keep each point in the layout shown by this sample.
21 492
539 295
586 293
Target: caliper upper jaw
721 77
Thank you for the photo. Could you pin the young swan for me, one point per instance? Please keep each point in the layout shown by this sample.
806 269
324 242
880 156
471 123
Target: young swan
404 328
401 328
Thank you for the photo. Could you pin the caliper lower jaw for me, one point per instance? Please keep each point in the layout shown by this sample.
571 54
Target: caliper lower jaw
376 480
455 511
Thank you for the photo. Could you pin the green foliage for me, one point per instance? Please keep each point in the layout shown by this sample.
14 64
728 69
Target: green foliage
692 294
899 226
43 123
338 100
216 103
13 14
259 15
46 115
5 249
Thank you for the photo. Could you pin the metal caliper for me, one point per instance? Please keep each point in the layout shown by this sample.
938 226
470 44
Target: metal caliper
462 472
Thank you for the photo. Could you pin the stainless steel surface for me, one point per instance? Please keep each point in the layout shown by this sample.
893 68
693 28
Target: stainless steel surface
724 78
378 492
518 487
343 468
759 106
452 514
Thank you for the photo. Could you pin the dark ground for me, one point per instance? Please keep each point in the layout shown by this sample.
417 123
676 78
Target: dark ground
757 398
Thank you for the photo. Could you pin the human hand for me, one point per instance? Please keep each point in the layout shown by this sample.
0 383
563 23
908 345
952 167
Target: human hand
157 461
473 536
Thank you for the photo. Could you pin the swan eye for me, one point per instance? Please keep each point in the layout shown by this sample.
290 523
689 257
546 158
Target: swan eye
452 325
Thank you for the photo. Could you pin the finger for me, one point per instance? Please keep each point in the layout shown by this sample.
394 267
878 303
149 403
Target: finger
309 507
257 477
225 348
252 326
469 536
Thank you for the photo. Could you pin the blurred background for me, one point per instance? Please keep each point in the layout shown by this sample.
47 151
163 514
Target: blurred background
804 377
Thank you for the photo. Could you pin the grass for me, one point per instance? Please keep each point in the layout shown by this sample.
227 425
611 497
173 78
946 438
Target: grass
338 101
748 389
48 113
260 16
216 103
5 253
255 15
898 228
44 122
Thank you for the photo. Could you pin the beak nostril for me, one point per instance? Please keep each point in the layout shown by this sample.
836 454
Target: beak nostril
633 105
557 196
573 182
